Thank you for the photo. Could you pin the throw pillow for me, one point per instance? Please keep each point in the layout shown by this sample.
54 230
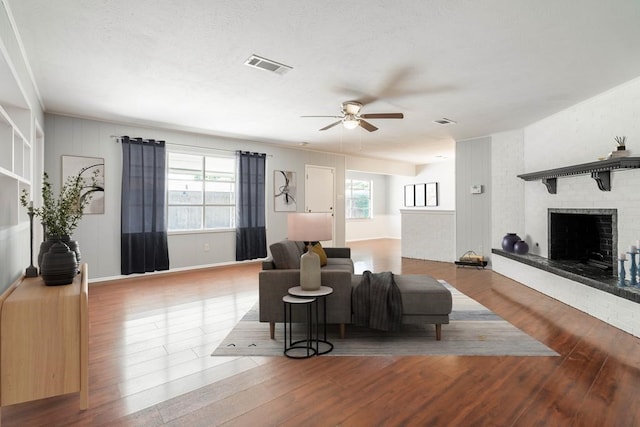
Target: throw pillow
319 250
285 254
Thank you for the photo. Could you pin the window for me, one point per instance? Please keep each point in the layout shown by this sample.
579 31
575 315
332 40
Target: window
200 192
358 199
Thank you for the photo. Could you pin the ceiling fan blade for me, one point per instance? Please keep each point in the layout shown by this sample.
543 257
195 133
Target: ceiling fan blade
335 117
367 126
382 116
331 125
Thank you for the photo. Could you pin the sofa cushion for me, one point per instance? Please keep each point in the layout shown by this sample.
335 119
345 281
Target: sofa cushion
422 294
340 264
318 250
286 254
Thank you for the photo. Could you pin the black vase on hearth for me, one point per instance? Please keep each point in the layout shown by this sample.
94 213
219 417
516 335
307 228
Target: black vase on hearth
509 241
521 247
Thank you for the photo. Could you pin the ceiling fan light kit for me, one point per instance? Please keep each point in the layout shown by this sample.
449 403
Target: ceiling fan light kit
350 122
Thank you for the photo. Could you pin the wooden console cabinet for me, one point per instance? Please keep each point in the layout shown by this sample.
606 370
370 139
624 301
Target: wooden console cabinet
44 334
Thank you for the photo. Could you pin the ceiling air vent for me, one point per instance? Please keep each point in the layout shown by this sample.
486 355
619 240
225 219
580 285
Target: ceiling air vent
444 121
265 64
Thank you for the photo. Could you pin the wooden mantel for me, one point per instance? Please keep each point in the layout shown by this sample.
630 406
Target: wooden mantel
600 171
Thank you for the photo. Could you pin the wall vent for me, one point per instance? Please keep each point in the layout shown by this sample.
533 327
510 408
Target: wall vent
265 64
445 121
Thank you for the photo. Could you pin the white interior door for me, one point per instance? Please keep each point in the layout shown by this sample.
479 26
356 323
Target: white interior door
319 191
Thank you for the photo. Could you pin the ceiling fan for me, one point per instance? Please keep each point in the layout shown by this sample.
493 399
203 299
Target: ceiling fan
351 117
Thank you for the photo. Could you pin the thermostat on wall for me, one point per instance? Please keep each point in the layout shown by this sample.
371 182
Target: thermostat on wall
476 189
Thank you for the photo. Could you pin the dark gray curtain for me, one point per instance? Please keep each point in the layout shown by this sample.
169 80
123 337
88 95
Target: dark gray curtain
251 236
143 219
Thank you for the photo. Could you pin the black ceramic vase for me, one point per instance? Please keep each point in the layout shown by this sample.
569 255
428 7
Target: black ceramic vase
521 247
509 241
50 240
73 246
45 246
59 265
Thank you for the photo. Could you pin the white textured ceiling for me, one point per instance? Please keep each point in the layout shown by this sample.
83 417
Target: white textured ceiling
491 65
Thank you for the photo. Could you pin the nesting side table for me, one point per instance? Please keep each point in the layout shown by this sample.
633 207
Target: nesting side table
291 347
319 294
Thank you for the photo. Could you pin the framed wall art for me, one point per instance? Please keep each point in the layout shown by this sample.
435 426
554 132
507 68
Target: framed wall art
92 170
420 195
432 194
409 195
284 191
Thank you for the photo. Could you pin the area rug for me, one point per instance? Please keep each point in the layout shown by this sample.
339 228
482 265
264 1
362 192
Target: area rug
473 330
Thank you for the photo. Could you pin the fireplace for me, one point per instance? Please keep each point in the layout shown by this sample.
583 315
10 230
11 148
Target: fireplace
582 248
584 240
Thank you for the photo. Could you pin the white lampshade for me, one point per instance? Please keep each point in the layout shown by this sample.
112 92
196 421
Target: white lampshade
350 123
309 226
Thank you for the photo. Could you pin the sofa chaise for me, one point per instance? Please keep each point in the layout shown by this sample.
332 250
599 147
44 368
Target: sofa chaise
424 299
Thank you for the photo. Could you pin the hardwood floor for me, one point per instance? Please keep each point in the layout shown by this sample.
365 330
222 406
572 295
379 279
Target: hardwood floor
151 337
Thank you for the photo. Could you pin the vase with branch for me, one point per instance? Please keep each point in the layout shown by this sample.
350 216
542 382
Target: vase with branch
60 215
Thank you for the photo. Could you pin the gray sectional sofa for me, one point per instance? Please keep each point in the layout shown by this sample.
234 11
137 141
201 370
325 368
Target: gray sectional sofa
424 299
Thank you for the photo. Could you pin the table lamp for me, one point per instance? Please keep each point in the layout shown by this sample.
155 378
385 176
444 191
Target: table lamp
309 227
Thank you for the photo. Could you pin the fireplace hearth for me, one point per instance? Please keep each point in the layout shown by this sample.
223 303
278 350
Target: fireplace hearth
584 250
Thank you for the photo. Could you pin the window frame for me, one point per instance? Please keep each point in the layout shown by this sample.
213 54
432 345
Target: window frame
348 198
203 155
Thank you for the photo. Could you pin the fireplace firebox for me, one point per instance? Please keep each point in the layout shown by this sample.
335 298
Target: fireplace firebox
584 239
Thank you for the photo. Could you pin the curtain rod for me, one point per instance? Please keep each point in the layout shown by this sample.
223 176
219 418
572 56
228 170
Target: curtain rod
119 138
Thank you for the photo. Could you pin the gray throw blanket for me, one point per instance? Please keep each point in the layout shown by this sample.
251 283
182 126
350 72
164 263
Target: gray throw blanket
376 302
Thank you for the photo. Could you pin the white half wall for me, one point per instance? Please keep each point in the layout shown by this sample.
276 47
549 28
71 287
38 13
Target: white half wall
429 234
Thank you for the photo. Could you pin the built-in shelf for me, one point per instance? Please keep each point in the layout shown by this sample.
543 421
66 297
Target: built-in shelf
600 171
16 149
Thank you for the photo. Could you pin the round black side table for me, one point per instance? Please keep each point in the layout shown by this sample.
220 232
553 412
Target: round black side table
292 348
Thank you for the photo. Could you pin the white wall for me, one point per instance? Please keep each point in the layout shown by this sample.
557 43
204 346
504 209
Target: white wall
381 225
99 235
473 219
379 166
580 134
427 232
507 195
444 173
387 221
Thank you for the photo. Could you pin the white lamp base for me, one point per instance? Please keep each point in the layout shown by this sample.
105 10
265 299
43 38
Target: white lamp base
310 270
